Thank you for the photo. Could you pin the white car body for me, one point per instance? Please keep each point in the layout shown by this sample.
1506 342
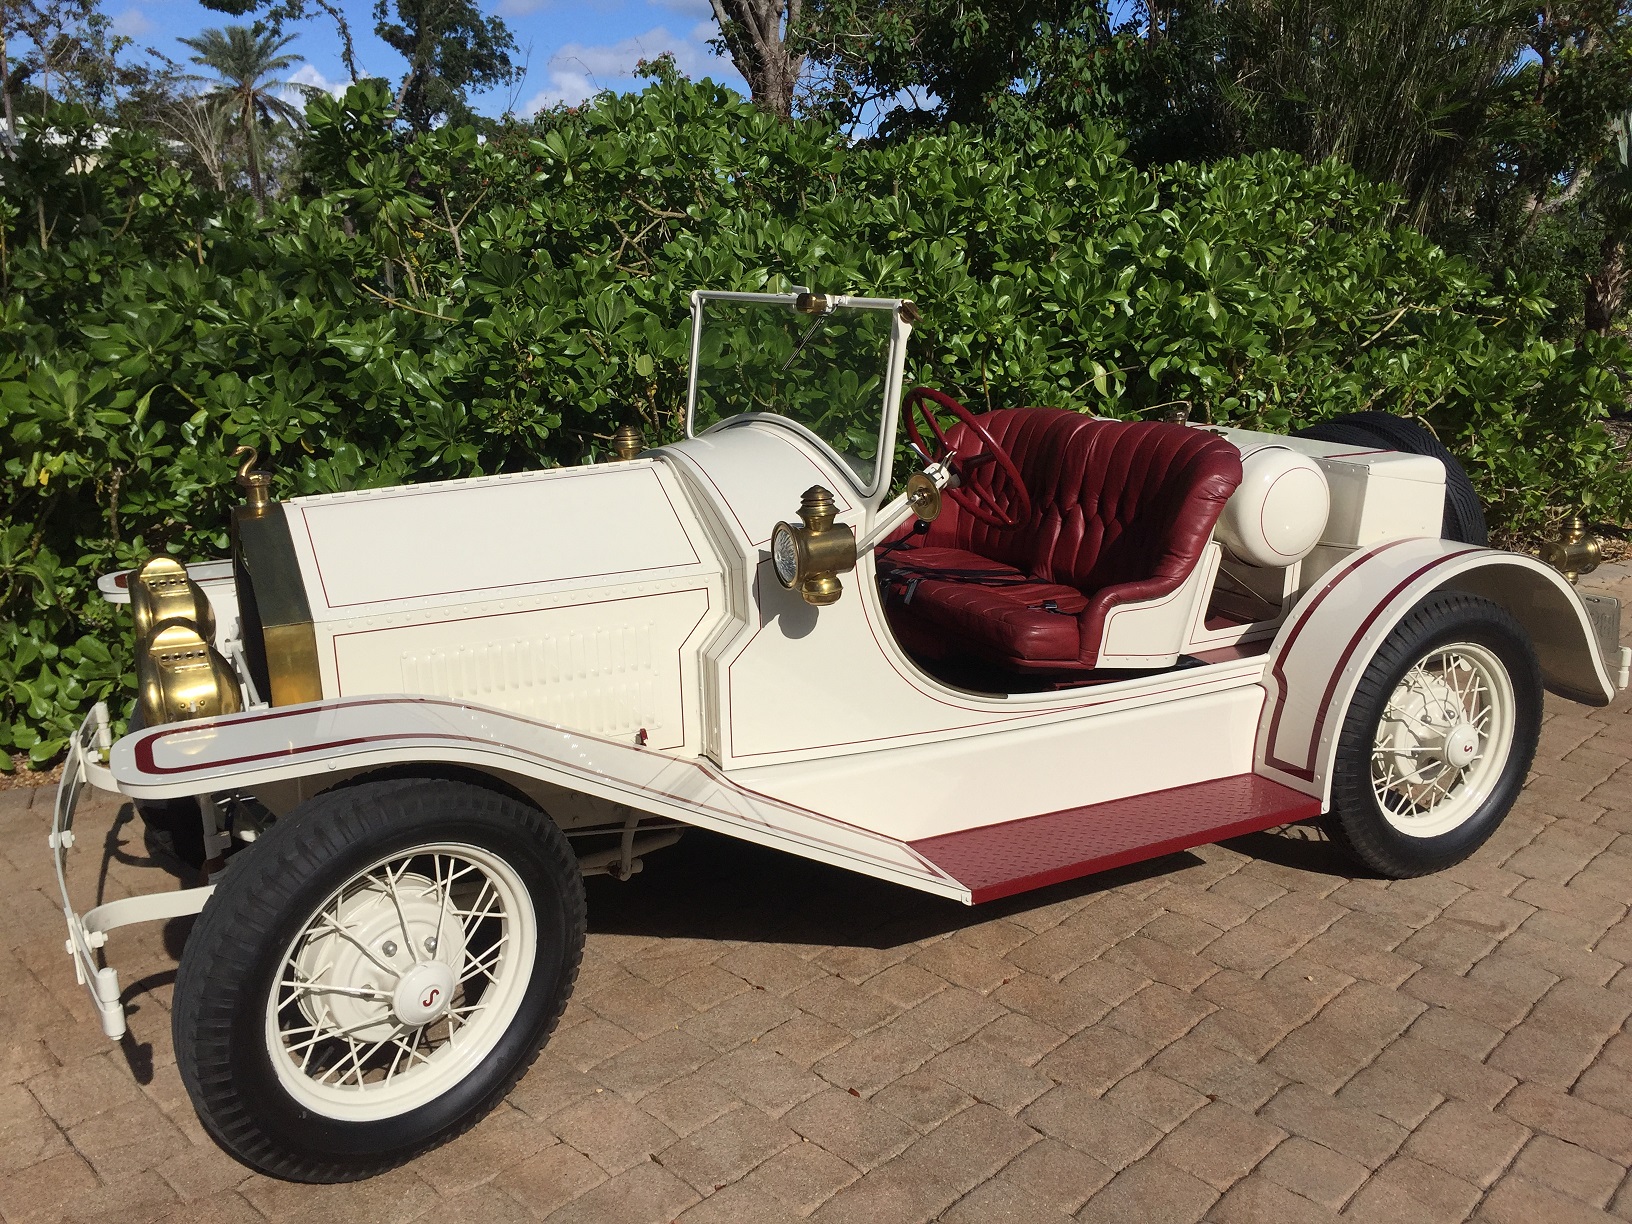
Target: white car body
611 641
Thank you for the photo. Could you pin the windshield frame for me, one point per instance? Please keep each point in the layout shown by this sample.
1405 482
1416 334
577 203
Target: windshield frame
900 330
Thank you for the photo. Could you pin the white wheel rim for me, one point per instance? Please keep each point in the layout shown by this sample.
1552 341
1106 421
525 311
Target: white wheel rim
1443 740
355 1026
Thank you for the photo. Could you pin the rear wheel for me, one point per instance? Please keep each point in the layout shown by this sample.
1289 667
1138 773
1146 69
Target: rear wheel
376 974
1438 738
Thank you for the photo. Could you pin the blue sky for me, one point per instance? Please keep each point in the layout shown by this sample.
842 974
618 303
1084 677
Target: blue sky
571 49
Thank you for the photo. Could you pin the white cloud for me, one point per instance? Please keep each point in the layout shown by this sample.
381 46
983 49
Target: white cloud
688 8
577 72
313 79
132 23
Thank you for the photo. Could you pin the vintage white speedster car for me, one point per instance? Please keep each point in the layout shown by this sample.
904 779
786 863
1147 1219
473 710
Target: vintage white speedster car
406 722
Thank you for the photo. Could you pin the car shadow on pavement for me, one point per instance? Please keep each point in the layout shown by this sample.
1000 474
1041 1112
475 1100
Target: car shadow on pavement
716 887
1305 846
128 831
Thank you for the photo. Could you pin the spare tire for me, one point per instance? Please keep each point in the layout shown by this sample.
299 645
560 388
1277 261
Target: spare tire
1464 519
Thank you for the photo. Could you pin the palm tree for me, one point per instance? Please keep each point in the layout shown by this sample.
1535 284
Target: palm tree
244 63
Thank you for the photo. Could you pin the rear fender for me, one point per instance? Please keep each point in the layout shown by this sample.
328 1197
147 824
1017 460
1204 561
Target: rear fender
337 739
1324 647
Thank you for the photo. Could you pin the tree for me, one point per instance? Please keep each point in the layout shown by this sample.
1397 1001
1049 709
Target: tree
69 53
936 62
451 50
245 63
204 125
279 12
1403 90
1494 119
761 36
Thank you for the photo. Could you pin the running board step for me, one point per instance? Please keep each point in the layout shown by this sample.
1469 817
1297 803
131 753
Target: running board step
1003 859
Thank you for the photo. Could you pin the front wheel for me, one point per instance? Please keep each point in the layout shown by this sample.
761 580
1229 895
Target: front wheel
1438 738
376 975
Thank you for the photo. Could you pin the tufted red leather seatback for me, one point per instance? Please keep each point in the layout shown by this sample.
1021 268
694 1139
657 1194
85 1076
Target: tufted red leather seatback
1113 502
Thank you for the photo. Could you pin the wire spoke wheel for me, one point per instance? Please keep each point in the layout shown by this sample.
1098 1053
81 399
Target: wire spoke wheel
1437 738
1443 738
375 973
401 982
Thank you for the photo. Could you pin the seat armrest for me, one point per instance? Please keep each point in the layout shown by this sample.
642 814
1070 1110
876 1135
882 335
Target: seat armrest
1147 623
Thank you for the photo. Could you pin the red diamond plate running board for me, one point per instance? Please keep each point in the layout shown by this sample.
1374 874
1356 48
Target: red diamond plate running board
1000 860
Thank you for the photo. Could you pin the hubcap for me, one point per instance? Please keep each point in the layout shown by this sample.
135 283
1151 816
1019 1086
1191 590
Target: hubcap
1443 739
1461 746
423 993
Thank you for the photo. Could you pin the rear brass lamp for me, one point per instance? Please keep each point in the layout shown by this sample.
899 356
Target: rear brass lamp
811 557
179 674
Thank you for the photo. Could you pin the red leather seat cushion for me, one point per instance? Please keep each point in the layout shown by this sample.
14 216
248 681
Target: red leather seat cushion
1121 511
960 597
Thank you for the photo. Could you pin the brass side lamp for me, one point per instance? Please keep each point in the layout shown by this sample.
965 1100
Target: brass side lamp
811 557
179 676
1576 551
161 591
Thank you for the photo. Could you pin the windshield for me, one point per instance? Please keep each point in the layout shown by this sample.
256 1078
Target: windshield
825 372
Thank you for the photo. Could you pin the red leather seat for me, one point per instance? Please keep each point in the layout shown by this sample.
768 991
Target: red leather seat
1121 511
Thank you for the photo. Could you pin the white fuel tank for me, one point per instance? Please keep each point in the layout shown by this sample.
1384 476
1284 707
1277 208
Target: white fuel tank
1279 511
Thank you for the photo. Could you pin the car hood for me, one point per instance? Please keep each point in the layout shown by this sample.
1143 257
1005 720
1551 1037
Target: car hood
493 538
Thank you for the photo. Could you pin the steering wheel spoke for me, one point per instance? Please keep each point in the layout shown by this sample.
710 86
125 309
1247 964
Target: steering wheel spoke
978 497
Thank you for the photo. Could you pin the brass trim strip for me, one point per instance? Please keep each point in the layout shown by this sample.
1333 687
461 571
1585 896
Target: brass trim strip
291 664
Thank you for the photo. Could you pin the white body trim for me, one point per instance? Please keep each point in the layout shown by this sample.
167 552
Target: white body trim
1153 633
345 737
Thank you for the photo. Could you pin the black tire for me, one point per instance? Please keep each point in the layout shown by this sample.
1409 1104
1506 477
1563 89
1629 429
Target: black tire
266 898
1464 518
1357 819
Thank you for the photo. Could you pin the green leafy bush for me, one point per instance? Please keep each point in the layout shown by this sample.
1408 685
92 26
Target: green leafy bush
440 307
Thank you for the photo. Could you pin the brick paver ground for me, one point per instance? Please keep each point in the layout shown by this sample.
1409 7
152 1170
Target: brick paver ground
1245 1032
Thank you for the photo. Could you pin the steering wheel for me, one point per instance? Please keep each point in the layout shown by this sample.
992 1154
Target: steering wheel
978 497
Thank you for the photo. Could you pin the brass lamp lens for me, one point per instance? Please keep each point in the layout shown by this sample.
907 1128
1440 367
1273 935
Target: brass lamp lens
785 555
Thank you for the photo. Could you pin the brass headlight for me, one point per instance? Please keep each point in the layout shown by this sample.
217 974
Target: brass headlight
179 675
811 557
160 590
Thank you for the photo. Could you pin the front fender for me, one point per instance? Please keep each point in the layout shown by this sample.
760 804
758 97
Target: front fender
345 736
1324 647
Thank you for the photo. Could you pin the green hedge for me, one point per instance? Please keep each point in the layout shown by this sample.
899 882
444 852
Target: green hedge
442 307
